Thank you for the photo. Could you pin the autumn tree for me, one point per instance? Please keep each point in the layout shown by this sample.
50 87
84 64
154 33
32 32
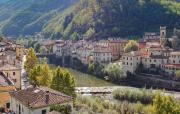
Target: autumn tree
165 105
40 75
131 46
31 60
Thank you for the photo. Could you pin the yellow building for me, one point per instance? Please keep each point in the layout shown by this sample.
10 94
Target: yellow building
19 51
6 86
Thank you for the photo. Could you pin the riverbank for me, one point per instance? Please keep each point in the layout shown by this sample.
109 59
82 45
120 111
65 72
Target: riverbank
86 80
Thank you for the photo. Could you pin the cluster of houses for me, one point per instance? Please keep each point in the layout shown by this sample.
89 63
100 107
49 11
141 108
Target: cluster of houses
152 53
103 51
11 55
32 100
153 56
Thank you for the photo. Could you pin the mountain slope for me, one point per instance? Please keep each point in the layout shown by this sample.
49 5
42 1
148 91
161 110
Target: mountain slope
114 18
31 18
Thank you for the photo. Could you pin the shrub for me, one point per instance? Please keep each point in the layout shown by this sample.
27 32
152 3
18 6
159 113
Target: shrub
134 95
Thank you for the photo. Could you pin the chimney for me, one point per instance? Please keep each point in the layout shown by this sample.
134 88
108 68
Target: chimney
47 97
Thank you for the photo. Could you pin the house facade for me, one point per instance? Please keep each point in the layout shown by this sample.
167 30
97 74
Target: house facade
102 54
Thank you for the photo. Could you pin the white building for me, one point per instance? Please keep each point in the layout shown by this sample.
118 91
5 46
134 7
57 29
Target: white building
153 58
131 61
83 54
173 64
102 54
58 48
37 100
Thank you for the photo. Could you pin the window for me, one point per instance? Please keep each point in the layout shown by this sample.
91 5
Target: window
150 60
154 60
44 111
7 105
14 73
173 61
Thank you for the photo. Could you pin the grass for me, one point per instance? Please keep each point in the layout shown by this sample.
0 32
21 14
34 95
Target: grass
86 80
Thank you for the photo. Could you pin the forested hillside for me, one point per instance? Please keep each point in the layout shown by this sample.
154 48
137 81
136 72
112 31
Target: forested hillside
87 18
27 17
117 18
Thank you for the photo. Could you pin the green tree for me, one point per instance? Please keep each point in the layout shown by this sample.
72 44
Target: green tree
91 67
131 46
31 60
114 72
90 33
165 105
177 75
64 82
43 49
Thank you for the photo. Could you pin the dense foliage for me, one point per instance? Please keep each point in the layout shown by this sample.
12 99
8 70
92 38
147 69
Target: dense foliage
63 81
134 95
114 72
96 105
31 60
165 105
104 18
88 18
131 46
40 75
29 16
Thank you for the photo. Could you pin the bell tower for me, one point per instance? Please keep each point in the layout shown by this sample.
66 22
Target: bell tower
162 35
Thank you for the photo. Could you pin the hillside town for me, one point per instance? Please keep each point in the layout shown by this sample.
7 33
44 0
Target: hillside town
20 95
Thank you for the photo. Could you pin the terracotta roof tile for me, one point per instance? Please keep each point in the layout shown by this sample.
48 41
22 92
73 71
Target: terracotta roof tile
36 97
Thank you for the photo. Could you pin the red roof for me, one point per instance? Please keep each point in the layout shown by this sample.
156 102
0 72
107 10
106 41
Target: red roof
173 65
37 97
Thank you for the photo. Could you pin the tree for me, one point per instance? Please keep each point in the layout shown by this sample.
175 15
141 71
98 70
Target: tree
165 105
43 50
37 47
31 60
46 76
90 33
177 75
40 75
168 43
91 67
114 72
64 82
131 46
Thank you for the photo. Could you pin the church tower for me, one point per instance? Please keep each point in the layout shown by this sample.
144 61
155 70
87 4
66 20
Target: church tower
162 35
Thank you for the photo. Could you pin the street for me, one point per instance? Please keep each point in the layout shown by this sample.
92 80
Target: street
24 79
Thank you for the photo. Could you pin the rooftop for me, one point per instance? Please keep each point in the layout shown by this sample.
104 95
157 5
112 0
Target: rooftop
40 97
9 67
54 112
4 81
133 54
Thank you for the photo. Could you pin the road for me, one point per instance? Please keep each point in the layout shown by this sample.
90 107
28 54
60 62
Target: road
24 80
